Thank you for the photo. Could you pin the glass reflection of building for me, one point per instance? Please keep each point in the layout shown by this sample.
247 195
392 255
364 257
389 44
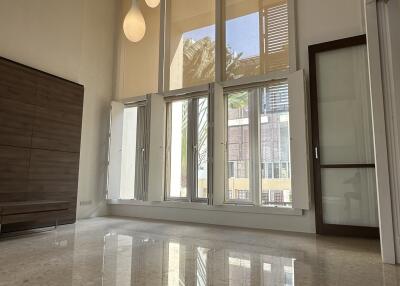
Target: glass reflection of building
130 260
274 145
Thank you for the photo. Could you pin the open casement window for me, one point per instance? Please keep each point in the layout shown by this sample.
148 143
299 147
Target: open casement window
187 151
258 145
128 155
266 157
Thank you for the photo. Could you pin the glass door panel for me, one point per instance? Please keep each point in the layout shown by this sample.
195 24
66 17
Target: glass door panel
344 165
345 122
349 196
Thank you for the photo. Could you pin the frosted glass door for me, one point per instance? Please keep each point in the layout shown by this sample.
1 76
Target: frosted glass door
345 123
343 139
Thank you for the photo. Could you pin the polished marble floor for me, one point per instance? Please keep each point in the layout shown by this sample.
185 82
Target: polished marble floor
121 252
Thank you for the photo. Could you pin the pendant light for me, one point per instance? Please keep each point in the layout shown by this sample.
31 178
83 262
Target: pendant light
152 3
134 24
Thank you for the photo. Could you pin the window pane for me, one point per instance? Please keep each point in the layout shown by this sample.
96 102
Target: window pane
347 138
191 43
275 145
202 148
128 157
178 148
238 147
257 37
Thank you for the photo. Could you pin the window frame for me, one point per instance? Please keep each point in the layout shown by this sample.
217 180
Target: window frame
193 95
253 152
140 186
255 163
220 49
240 83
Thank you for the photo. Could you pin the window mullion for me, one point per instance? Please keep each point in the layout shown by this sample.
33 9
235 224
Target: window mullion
164 82
292 36
138 190
219 40
262 35
168 153
254 132
191 152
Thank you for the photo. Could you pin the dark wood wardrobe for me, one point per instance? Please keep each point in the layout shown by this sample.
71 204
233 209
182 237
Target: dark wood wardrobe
40 136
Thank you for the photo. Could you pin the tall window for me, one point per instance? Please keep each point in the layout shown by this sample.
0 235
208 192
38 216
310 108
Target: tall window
133 153
243 48
258 127
191 43
187 150
257 37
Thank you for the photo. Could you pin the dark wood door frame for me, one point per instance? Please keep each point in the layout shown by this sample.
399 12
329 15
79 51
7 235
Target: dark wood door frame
321 227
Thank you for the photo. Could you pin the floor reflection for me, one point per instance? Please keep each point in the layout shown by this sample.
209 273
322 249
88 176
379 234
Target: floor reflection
119 252
146 260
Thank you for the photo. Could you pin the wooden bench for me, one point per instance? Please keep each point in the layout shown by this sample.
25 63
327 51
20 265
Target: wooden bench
30 211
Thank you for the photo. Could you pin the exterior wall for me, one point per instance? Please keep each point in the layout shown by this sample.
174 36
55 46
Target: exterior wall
72 39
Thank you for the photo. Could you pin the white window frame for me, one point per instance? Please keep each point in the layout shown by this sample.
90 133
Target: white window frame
188 94
255 172
164 69
115 149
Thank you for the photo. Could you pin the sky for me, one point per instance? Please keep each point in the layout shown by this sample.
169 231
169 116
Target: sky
242 34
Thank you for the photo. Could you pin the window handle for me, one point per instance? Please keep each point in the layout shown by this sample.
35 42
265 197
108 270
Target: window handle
316 155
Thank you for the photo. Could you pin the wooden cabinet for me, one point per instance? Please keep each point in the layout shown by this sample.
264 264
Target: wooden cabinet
40 137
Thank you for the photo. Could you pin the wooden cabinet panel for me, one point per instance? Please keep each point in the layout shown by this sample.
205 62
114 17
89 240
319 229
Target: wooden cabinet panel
58 94
53 175
16 122
17 82
58 118
57 130
53 166
14 164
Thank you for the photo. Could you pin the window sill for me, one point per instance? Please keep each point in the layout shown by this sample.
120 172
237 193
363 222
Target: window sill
202 206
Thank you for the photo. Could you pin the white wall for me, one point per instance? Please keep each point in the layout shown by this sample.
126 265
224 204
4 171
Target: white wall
137 63
73 39
321 21
317 21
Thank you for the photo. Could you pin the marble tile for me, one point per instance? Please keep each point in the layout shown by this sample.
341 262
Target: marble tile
121 252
